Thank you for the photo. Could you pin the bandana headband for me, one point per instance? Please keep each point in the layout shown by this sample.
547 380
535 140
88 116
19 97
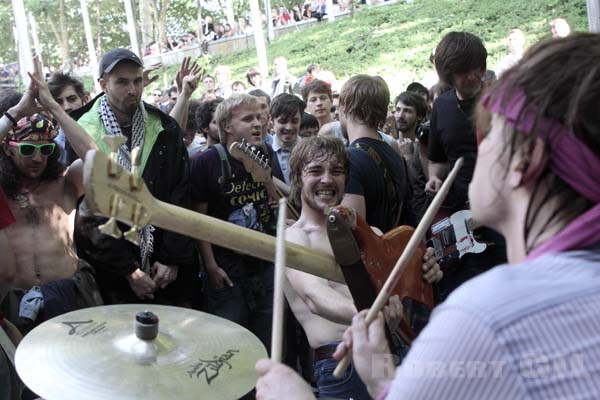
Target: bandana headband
33 128
571 160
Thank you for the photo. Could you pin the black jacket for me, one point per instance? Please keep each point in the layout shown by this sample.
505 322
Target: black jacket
166 175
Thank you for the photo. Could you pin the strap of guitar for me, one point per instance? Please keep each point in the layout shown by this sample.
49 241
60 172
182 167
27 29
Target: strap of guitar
225 166
388 173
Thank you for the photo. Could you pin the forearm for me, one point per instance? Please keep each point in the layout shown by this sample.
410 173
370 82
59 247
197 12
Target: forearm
75 134
206 252
180 110
322 300
438 170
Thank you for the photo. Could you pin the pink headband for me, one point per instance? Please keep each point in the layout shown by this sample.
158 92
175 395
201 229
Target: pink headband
571 160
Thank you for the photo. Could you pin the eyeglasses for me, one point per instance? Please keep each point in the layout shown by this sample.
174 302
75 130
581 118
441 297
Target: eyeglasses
28 149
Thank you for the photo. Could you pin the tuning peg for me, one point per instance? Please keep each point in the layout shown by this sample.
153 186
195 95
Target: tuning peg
133 235
114 141
110 228
134 178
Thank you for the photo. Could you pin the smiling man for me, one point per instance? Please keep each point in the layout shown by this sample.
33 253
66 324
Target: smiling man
320 171
126 272
286 114
239 287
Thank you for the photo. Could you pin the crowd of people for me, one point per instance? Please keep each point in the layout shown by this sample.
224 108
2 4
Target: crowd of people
530 147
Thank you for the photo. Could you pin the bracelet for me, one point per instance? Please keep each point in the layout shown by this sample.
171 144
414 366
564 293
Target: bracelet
11 118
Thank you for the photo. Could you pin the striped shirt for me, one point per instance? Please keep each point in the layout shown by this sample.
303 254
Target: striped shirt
527 331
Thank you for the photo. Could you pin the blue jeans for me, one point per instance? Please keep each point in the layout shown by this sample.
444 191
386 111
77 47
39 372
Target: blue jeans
350 386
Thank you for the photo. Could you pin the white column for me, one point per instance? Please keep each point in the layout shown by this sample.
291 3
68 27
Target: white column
330 11
593 9
90 44
36 40
135 47
270 30
229 13
259 39
25 59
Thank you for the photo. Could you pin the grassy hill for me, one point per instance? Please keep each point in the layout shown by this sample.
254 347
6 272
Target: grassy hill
395 41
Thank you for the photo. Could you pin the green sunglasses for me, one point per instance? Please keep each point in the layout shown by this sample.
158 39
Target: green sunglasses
28 149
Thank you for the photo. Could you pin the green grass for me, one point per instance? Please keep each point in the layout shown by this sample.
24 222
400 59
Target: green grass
395 41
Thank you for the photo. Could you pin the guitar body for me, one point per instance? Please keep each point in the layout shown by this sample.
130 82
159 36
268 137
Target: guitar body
452 237
367 259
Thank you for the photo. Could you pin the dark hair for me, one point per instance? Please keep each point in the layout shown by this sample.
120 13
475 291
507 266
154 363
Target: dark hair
414 100
416 87
561 82
59 81
236 83
171 90
205 112
260 93
8 99
316 86
459 52
252 72
365 99
10 178
192 124
286 105
314 148
309 121
312 67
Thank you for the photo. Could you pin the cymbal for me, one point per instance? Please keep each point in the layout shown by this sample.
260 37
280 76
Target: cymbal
95 353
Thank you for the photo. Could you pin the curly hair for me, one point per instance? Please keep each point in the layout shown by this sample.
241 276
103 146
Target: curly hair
10 178
314 148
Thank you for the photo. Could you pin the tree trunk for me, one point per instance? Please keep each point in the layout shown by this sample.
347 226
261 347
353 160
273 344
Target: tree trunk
146 23
199 33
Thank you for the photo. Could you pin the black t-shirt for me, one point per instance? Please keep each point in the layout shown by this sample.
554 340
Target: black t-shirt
367 178
240 201
453 136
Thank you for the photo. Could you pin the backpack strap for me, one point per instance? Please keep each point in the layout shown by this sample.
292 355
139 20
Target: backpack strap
225 166
393 187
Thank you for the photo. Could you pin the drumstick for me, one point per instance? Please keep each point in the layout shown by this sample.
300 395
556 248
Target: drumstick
277 331
411 247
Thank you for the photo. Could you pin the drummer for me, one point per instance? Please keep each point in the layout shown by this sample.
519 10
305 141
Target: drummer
324 308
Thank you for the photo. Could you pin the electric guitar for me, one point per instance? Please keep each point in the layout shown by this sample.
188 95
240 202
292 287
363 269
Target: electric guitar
122 196
452 237
257 165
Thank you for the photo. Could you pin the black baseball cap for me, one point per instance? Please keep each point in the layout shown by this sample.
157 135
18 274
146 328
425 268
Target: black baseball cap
111 58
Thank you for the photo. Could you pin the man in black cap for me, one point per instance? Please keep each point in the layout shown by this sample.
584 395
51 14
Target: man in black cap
126 272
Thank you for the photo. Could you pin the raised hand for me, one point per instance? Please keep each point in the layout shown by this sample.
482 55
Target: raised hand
187 69
146 78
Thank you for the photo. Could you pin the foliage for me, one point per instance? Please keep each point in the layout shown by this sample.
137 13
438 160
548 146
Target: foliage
395 41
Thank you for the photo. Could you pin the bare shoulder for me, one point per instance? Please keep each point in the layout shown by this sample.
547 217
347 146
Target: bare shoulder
298 234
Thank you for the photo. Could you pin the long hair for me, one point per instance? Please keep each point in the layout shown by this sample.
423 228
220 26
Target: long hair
314 148
10 178
561 80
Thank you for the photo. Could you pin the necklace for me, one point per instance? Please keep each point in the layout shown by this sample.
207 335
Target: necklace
23 197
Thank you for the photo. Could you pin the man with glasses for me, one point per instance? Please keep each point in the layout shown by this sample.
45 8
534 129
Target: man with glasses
42 195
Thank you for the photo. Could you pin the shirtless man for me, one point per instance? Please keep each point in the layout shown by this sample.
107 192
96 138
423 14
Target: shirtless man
532 332
320 170
41 192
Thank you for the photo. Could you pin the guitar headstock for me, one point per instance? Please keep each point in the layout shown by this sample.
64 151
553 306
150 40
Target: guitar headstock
113 192
255 163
